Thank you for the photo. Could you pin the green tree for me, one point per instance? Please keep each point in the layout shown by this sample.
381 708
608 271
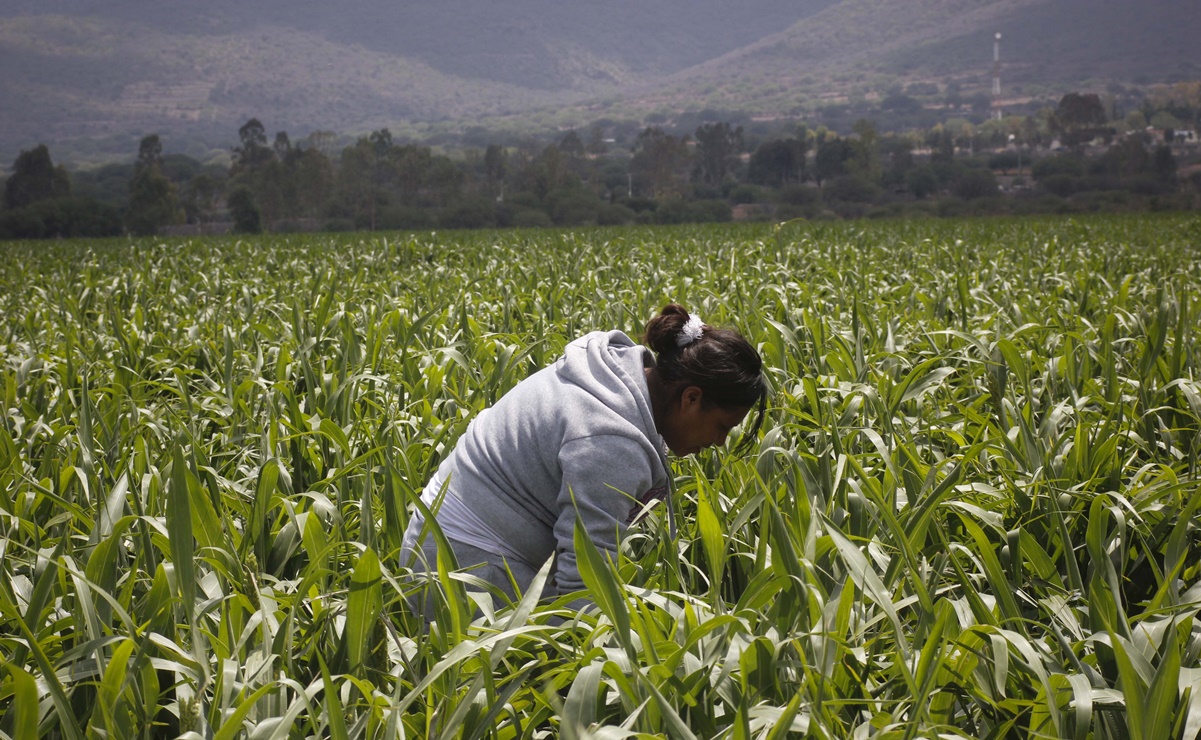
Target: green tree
253 151
942 144
865 152
66 218
34 177
313 178
976 183
897 159
1078 118
1163 163
658 160
150 153
830 159
778 162
356 189
717 149
245 213
921 182
495 167
411 166
153 201
443 180
202 197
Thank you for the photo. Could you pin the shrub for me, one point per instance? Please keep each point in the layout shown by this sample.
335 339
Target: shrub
61 218
744 193
851 189
798 195
405 217
921 182
573 208
1062 185
976 184
614 215
469 212
531 218
246 215
1057 164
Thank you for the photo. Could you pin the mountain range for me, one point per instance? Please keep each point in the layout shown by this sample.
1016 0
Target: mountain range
97 74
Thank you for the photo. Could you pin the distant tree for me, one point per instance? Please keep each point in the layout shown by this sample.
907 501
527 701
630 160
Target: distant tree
245 213
470 212
412 166
897 154
941 143
66 217
830 159
921 182
356 183
274 187
1078 117
658 160
1163 163
574 206
202 197
851 189
150 153
546 173
1136 121
717 149
495 166
1164 120
976 183
778 162
313 177
34 177
596 142
253 151
571 146
900 103
1126 158
282 146
443 180
153 201
1070 165
865 158
1003 161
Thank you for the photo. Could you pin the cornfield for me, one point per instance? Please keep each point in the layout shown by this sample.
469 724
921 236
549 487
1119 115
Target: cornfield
973 511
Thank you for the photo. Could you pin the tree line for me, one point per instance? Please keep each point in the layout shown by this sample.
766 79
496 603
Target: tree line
1076 156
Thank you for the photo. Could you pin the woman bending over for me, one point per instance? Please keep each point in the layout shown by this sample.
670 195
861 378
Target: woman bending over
585 437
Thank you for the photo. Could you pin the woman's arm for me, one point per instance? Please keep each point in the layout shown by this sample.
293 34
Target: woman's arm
603 478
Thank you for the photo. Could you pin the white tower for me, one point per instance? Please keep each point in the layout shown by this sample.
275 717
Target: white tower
996 76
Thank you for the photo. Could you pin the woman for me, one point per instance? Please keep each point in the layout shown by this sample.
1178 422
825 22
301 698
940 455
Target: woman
585 437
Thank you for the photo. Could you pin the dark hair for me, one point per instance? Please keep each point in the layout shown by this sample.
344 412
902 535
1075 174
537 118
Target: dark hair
725 366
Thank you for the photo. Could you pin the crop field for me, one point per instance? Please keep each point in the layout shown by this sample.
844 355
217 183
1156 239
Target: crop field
973 510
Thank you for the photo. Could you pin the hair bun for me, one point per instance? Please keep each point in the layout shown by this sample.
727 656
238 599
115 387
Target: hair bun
663 331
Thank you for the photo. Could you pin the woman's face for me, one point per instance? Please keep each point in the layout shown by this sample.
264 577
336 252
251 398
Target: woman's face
691 425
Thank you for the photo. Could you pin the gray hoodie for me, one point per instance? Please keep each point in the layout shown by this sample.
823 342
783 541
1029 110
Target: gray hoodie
577 437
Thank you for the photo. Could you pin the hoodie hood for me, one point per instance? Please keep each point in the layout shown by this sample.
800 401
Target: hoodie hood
609 366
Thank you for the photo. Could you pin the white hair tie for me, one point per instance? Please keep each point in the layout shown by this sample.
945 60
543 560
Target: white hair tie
691 331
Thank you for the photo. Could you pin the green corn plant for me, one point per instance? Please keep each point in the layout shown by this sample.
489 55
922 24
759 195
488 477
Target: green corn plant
971 513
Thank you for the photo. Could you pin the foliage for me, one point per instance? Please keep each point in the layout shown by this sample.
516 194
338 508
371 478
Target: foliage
35 178
245 212
976 183
61 218
973 511
153 202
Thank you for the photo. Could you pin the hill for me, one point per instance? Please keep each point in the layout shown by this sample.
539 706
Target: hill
98 75
866 46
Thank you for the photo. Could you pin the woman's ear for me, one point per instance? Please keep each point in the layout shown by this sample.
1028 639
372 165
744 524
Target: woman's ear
691 397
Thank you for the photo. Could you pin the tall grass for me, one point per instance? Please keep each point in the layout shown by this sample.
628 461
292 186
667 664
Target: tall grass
974 511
